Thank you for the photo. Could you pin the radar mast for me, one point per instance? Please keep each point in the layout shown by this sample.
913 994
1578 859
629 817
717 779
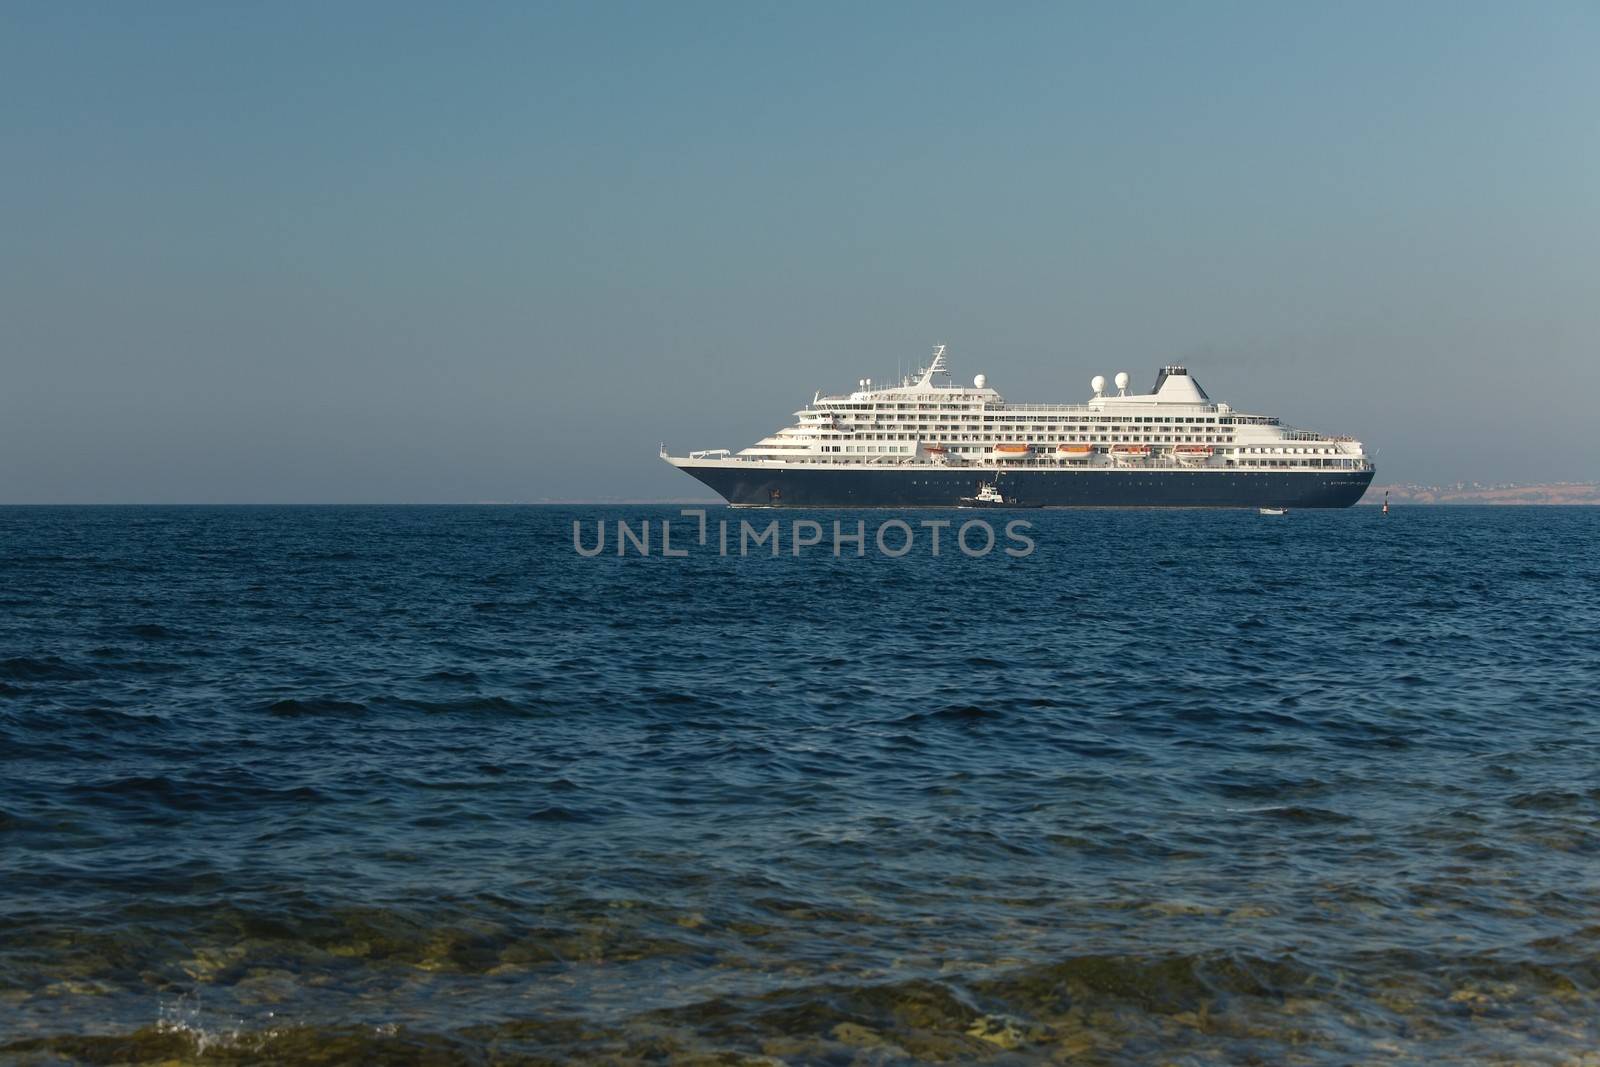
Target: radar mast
936 366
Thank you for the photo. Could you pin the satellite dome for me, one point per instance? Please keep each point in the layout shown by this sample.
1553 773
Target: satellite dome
979 382
1122 379
1098 384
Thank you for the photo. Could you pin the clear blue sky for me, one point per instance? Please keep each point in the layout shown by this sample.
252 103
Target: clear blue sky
403 252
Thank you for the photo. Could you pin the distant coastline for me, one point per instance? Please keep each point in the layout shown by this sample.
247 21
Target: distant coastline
1553 493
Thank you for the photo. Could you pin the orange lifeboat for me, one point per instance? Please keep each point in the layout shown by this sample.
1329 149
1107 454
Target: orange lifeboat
1130 451
935 450
1193 453
1074 451
1012 451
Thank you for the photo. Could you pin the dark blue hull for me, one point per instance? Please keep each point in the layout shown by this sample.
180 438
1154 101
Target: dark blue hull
1104 488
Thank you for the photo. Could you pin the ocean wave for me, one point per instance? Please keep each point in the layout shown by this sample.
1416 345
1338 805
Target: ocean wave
51 669
149 631
491 706
971 713
189 794
314 707
1298 814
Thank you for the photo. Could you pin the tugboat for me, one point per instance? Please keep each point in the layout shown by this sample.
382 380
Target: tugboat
989 496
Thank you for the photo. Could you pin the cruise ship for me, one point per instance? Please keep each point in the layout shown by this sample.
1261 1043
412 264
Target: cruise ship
928 442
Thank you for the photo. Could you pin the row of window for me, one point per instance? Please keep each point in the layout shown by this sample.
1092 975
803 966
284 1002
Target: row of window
978 449
1346 464
1082 420
1113 434
1042 438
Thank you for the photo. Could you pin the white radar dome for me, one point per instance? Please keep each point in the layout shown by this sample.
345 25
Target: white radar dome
979 382
1122 379
1098 383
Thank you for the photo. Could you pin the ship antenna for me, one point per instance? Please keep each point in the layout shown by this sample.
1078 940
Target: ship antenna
936 366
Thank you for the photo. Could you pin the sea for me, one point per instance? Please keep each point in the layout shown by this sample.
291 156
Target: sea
428 785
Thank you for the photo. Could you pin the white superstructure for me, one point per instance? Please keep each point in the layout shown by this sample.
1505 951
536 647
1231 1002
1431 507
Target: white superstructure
929 421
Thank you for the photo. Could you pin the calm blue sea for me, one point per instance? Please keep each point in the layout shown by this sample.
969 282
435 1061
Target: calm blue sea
424 785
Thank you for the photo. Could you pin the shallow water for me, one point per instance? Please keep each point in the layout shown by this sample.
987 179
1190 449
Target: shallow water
423 785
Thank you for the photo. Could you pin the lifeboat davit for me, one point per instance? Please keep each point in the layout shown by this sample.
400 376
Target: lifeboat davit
1074 451
1012 452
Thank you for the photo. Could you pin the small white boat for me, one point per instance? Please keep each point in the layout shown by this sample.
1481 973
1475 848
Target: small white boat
989 496
1273 511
